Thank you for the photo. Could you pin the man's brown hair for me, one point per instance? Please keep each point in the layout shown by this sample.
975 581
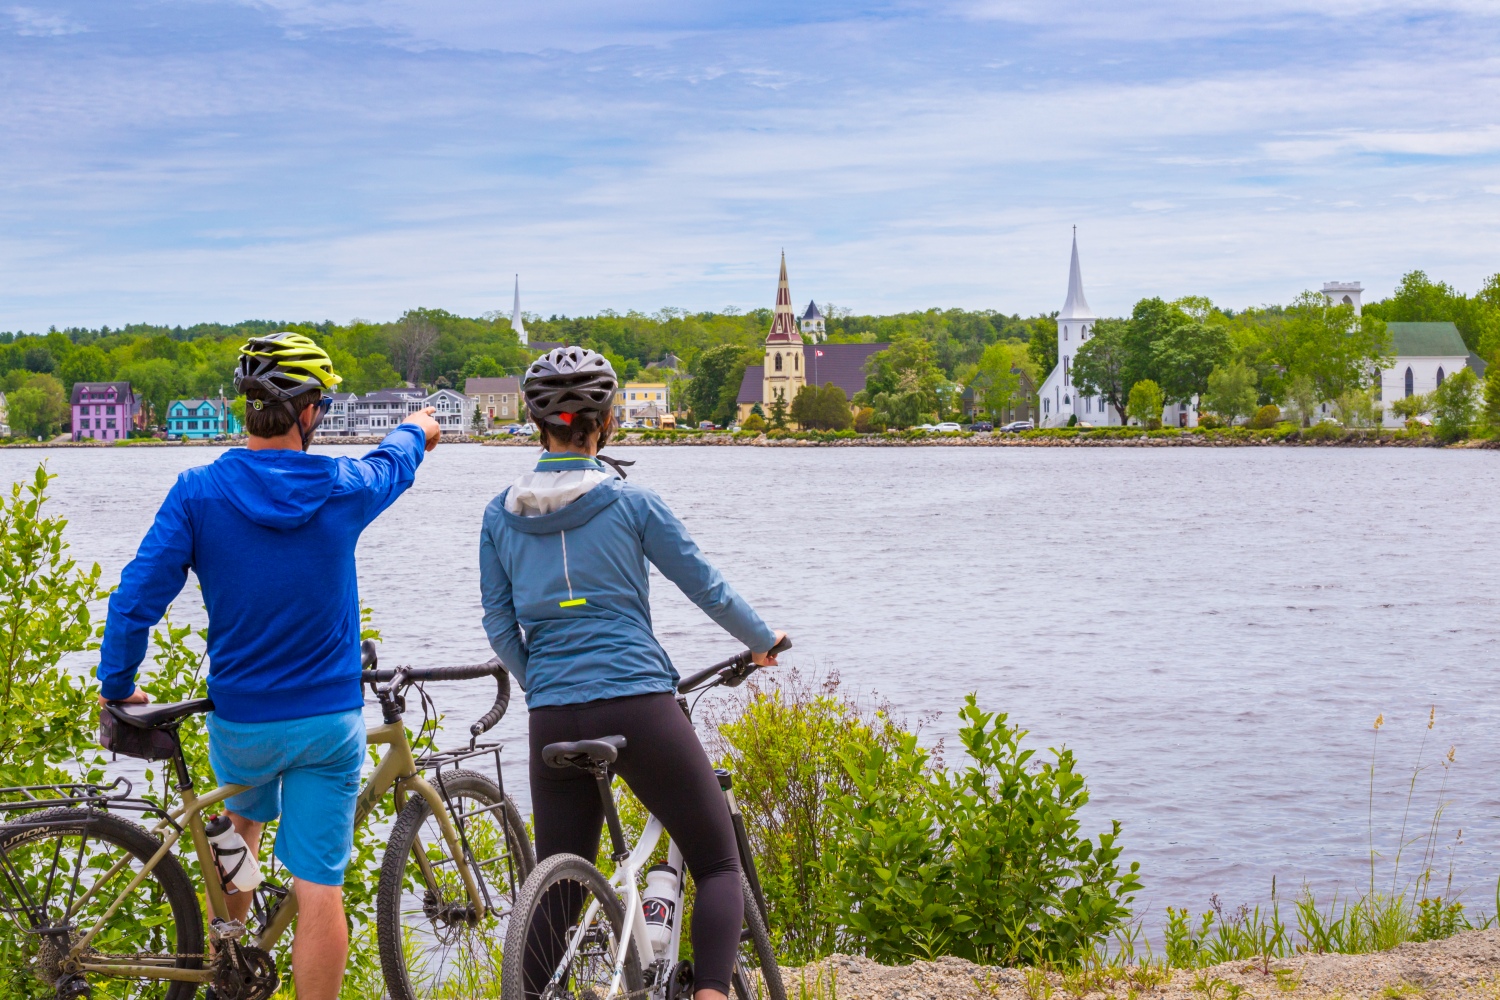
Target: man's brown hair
273 420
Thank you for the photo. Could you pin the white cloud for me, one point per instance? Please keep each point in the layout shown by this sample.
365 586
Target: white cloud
32 22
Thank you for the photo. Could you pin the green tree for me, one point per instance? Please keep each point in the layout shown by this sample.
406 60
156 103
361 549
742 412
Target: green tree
1412 407
1041 346
1145 404
1231 391
906 366
778 412
156 382
39 408
44 615
86 364
1490 416
997 380
372 373
1455 404
1356 408
717 374
481 366
1302 399
1329 345
823 408
1184 356
1100 364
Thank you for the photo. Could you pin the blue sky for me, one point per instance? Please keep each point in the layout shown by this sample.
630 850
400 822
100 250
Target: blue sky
190 160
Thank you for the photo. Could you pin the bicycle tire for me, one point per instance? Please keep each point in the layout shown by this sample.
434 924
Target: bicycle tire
182 935
447 919
554 875
756 957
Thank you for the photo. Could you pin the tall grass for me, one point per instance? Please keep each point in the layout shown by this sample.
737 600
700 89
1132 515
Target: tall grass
1408 908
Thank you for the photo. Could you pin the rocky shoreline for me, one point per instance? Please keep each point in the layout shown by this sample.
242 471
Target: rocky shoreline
1353 439
1465 965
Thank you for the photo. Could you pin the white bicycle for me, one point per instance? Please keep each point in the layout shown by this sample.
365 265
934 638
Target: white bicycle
577 935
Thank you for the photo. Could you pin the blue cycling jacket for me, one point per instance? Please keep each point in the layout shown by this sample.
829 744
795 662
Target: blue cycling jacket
567 594
271 536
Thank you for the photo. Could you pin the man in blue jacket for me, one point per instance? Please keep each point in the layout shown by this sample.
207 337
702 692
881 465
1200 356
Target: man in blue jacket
270 532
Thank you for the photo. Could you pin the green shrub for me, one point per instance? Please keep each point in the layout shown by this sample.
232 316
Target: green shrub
48 715
1210 421
1325 430
1266 417
1145 403
1456 404
754 422
985 863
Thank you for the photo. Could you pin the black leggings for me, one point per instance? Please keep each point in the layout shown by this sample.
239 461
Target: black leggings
666 768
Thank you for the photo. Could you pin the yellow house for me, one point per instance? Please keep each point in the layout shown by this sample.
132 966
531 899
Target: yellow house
644 403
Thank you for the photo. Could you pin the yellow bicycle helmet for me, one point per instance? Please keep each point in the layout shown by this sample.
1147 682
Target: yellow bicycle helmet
285 365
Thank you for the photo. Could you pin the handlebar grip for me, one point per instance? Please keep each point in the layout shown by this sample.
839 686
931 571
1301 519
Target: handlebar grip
697 680
368 658
784 644
497 710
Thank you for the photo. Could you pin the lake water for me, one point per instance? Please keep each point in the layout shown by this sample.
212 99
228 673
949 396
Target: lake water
1213 632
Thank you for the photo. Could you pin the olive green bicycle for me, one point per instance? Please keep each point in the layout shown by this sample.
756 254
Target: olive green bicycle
99 905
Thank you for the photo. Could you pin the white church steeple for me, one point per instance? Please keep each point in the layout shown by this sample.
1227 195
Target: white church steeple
1076 306
516 322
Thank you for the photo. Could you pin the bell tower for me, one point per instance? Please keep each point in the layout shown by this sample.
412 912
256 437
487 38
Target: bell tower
784 375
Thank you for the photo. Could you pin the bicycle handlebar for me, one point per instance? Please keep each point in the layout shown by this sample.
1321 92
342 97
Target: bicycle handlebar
731 672
416 675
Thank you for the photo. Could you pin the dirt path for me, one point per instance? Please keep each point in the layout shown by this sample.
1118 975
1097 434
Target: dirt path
1466 965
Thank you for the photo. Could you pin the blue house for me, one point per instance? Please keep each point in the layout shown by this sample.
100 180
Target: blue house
200 418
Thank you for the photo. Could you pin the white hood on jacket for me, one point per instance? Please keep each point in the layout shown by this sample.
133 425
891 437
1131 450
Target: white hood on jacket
537 493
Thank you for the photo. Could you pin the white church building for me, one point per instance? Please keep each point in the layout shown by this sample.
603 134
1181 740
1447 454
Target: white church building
1058 398
1426 353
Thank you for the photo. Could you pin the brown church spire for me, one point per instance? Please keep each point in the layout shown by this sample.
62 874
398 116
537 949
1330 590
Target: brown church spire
784 326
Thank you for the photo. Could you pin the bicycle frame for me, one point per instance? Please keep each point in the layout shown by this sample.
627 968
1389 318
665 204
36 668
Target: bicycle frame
397 769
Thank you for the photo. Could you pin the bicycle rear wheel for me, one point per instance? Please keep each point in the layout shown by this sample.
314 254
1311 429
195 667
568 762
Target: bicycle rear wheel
48 863
756 974
431 942
547 920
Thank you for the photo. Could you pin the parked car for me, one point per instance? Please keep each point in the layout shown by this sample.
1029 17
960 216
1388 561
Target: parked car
981 427
525 430
706 425
947 427
925 427
1018 425
630 425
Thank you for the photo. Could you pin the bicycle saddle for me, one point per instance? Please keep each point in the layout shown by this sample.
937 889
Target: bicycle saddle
582 753
157 716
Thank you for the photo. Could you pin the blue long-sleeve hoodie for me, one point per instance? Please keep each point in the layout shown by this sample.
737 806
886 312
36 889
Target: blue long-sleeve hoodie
271 536
566 594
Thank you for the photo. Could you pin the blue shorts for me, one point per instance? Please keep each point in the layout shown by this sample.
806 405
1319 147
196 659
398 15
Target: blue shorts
308 767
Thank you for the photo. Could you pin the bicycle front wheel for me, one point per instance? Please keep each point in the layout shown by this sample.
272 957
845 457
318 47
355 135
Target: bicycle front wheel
432 942
756 974
565 935
60 871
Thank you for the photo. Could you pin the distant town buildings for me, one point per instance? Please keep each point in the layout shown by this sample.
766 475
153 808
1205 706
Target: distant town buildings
200 418
498 399
103 411
790 363
375 413
643 403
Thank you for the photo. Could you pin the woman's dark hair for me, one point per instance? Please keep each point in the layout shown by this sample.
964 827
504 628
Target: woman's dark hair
273 420
577 433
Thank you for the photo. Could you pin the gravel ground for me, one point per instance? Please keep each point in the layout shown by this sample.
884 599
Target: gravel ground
1466 964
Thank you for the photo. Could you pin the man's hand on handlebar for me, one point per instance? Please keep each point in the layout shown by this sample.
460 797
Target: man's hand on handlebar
768 659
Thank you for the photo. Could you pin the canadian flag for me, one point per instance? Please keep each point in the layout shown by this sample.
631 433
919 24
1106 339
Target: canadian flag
818 354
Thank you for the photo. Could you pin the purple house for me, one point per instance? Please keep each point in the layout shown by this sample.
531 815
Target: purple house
103 411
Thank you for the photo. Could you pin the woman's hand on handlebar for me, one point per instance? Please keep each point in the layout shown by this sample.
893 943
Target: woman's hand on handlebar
768 659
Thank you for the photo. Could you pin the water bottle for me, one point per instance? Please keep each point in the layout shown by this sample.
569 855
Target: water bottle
659 903
238 868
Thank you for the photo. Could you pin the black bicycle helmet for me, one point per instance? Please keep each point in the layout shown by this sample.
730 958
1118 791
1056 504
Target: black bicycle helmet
567 381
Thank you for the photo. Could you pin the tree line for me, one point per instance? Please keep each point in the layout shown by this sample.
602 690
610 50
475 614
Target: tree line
1308 349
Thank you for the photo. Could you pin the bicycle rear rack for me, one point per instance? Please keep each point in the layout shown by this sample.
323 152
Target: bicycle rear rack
435 762
115 795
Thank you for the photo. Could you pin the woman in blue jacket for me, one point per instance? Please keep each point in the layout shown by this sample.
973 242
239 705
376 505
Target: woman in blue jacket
563 568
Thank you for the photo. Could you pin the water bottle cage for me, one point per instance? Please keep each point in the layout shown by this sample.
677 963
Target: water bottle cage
226 875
